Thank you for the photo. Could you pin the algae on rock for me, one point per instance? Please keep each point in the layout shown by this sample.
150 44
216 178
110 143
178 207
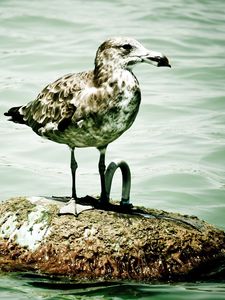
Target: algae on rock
105 245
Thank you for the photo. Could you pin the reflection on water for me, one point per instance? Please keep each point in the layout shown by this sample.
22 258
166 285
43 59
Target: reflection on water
31 286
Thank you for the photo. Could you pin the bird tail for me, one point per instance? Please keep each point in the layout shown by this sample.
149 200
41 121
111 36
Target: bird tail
15 115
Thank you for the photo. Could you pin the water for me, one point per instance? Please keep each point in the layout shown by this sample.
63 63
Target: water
176 147
14 287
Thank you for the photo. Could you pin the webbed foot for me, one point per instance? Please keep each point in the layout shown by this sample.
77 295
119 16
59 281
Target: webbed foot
73 208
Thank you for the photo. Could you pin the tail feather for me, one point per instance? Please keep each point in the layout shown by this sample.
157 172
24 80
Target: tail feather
15 115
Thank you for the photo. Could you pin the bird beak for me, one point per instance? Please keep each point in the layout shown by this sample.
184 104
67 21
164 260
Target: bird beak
157 59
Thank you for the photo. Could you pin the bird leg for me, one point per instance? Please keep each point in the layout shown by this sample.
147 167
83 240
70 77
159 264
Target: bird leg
71 206
73 167
101 168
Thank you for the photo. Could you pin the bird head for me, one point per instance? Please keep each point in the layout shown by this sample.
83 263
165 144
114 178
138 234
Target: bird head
127 52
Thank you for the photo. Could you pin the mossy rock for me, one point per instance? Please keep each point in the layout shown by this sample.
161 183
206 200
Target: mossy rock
104 245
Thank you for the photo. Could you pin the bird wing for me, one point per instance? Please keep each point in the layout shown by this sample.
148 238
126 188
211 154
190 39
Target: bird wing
56 104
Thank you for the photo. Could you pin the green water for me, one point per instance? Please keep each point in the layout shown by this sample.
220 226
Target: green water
176 147
22 288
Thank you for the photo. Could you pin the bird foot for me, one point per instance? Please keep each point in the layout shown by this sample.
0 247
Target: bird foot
73 208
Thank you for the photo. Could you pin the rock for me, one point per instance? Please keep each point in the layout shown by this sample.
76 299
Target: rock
105 245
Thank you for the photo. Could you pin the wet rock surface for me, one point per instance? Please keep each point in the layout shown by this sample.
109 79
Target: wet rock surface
105 245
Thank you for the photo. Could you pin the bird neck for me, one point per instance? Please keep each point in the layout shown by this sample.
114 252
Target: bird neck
106 74
102 73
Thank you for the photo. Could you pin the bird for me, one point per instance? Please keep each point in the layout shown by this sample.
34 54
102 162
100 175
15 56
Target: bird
91 108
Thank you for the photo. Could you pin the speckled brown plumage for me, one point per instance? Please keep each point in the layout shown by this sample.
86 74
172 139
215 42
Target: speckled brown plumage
92 108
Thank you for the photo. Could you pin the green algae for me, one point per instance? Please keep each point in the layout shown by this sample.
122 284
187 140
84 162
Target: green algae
104 245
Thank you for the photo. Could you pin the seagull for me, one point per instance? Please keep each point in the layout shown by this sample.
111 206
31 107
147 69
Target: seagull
91 108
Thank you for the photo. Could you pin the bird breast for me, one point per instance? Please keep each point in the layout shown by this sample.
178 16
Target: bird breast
112 106
102 113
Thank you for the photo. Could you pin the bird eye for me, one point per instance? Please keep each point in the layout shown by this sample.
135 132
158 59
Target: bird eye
127 47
